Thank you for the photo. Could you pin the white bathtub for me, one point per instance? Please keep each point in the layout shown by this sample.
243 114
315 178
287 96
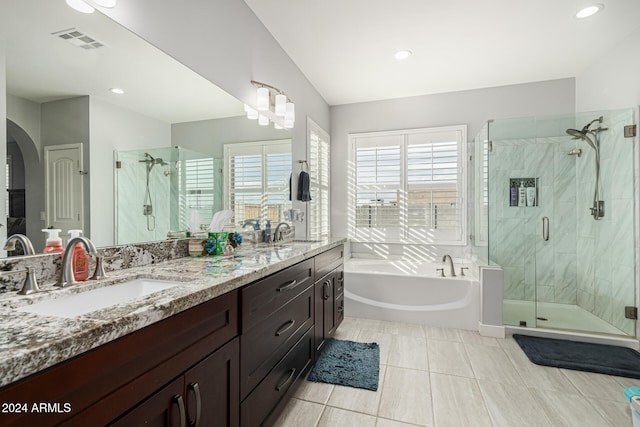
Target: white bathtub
407 291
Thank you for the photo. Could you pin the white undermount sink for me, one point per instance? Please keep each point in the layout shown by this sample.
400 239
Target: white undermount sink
96 299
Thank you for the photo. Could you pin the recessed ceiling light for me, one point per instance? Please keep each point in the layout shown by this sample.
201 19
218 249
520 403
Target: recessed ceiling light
402 54
80 6
588 11
116 90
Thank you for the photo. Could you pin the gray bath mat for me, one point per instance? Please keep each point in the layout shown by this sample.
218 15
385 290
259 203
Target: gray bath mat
581 356
348 363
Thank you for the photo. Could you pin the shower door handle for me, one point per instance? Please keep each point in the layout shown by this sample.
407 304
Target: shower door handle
545 228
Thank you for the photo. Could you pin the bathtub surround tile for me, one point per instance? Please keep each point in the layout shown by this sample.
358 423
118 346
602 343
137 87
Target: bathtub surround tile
512 405
406 396
357 399
446 357
408 352
332 417
492 364
456 403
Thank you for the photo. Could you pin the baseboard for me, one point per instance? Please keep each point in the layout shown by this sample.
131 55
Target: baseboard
491 330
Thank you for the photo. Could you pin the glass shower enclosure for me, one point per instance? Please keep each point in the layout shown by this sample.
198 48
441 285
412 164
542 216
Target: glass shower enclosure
158 188
558 197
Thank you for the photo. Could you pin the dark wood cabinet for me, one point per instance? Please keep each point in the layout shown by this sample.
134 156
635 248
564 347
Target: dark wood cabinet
233 360
206 395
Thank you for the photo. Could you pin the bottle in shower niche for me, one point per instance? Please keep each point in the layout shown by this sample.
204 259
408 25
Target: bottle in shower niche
513 195
531 196
522 195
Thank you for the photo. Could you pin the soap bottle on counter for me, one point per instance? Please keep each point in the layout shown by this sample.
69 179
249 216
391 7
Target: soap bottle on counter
267 231
54 242
80 258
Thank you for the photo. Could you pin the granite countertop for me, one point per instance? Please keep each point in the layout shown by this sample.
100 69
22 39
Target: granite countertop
30 342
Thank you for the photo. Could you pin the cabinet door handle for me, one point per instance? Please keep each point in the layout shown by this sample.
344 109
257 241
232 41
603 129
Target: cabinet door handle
326 289
178 400
284 328
195 387
341 276
340 309
292 284
292 372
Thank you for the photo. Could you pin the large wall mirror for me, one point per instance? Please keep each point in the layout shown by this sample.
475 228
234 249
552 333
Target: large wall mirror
66 129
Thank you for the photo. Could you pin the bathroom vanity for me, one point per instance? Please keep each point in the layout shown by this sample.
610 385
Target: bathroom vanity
228 348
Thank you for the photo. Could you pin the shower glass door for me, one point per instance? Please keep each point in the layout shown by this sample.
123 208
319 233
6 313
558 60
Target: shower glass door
563 269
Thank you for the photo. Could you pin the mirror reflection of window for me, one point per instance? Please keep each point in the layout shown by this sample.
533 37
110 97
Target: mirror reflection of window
256 176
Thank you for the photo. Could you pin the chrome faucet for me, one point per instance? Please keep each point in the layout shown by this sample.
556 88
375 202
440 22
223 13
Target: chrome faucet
67 277
10 244
453 270
277 234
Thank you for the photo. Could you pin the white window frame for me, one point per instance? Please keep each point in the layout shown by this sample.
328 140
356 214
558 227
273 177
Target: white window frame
253 148
403 233
320 181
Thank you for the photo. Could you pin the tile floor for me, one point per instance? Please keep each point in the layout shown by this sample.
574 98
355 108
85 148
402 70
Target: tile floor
449 377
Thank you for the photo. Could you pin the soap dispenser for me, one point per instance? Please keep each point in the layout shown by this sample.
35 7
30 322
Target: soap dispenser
54 242
80 259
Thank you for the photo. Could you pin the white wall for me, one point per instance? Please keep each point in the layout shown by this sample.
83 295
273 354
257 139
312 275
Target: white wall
225 42
113 128
472 108
611 80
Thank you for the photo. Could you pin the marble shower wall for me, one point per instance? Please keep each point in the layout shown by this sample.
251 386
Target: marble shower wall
606 258
585 262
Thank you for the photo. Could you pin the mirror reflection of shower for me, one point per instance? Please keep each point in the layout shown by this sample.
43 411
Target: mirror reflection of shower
592 138
147 205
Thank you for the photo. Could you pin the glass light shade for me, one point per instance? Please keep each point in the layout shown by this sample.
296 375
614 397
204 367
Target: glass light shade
262 99
290 114
277 126
263 120
80 6
288 124
105 3
281 105
252 114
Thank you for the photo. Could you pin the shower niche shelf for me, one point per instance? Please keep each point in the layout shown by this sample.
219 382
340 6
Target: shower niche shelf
531 192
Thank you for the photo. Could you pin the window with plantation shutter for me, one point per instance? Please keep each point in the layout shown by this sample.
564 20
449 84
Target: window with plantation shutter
409 186
256 176
196 179
319 173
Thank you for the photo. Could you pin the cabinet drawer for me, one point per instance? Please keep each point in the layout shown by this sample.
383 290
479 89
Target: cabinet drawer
262 401
266 296
327 261
264 345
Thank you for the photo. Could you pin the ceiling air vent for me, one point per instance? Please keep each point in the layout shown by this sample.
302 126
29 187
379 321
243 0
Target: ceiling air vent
78 38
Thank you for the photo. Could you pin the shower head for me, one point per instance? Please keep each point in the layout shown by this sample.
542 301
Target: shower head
152 161
584 133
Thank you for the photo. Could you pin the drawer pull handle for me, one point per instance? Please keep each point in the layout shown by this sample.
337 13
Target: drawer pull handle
177 399
292 372
195 387
340 309
284 328
292 284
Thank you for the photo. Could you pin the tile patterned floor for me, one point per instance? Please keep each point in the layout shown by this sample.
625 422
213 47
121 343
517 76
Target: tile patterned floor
448 377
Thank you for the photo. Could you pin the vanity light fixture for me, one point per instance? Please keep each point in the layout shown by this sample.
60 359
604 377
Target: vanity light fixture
85 6
116 90
402 54
251 113
588 11
273 104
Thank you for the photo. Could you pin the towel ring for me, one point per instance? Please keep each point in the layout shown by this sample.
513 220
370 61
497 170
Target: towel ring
302 163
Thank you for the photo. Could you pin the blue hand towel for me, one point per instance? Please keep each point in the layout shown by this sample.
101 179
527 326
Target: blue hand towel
303 187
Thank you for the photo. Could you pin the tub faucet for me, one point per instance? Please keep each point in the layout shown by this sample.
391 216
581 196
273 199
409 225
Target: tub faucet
453 270
10 244
67 277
